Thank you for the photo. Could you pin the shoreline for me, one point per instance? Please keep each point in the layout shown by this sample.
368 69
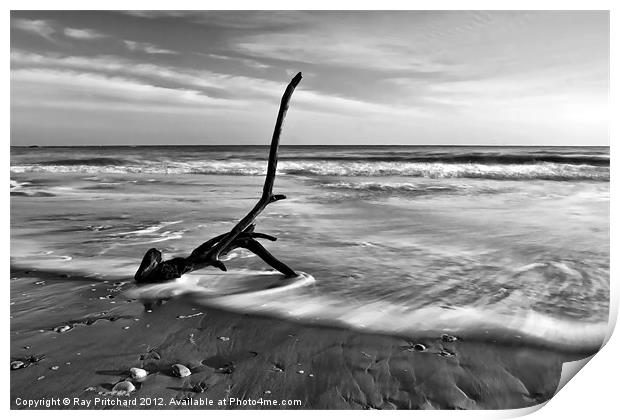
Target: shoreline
244 356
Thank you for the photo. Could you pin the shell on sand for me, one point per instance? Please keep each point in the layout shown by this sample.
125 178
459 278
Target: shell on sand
17 364
124 387
180 371
137 373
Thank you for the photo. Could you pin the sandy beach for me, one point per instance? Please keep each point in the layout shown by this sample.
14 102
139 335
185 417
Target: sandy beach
253 358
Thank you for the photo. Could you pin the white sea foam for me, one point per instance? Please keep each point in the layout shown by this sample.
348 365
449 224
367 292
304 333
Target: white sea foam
543 170
269 293
149 229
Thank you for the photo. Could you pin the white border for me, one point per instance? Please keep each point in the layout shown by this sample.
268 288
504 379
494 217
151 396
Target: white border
592 394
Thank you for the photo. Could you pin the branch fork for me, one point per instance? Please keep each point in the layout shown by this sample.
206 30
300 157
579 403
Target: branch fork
154 269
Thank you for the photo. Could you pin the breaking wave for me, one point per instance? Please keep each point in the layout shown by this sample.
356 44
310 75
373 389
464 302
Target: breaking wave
405 188
94 161
474 158
344 168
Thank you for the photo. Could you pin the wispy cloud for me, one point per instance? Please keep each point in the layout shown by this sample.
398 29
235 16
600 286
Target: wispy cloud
369 53
225 90
71 89
246 61
146 48
85 34
39 27
471 74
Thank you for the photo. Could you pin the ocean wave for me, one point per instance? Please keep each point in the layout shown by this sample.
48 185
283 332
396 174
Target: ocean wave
93 161
479 158
396 187
543 171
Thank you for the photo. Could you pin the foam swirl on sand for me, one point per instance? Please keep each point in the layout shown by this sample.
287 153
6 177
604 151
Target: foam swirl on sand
268 293
246 284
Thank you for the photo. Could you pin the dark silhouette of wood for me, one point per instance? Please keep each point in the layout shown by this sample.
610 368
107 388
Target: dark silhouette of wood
153 269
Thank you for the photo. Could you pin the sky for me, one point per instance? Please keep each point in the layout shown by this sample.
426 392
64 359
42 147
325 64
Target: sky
379 77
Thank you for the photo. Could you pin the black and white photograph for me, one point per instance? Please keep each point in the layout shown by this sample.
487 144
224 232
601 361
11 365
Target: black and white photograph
306 210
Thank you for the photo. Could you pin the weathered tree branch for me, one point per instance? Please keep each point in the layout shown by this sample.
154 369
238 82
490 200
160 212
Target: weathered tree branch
268 196
153 269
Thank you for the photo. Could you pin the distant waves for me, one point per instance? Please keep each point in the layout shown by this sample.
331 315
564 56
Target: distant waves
344 168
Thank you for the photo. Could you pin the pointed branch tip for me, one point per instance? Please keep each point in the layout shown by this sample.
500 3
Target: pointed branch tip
296 79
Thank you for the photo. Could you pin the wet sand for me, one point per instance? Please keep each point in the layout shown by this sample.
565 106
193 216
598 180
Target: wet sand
235 355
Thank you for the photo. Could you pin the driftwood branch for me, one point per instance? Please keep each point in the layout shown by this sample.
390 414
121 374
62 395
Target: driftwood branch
153 269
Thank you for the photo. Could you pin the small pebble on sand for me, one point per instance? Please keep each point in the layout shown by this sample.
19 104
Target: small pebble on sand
277 367
137 373
55 367
416 347
446 353
62 329
267 392
180 371
447 338
124 387
223 338
125 328
40 378
311 375
189 316
226 370
301 372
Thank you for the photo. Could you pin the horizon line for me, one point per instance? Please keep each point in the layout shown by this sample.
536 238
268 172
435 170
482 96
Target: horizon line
309 145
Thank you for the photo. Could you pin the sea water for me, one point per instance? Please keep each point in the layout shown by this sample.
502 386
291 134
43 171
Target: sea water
492 242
